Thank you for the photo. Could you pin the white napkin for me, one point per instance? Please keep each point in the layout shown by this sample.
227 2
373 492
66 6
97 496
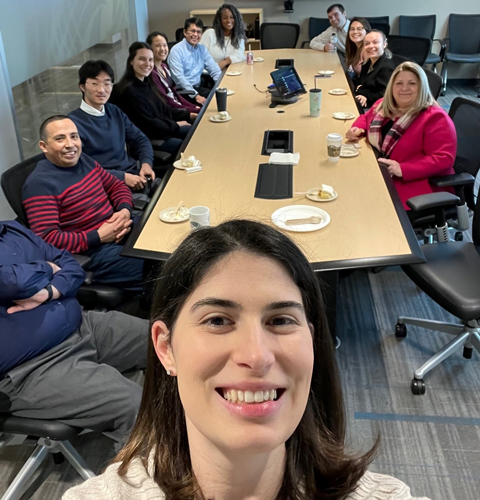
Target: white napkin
284 158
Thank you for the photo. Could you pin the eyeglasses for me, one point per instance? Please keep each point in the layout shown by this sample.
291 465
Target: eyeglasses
105 85
194 32
357 29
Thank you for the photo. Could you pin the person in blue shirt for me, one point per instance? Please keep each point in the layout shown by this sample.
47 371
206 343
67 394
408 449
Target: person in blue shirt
105 129
57 362
189 58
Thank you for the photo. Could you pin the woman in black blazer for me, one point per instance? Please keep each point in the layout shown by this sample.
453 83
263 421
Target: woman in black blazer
376 71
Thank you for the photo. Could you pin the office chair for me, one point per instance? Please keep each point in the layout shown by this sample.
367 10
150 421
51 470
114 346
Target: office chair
90 295
179 36
450 277
423 26
279 35
316 25
463 42
413 48
381 23
50 436
434 82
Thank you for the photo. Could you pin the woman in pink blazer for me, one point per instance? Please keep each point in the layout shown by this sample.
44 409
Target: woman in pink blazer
415 137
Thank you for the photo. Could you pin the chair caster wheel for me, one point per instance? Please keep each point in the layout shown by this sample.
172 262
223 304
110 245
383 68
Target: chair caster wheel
467 352
418 386
58 458
400 330
458 236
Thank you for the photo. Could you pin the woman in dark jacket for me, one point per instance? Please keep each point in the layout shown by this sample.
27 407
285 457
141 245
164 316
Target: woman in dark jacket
145 106
376 71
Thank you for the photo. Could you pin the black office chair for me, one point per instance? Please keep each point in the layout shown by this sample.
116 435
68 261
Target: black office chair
90 295
316 25
279 35
434 82
179 36
381 23
450 277
50 437
423 26
463 42
413 48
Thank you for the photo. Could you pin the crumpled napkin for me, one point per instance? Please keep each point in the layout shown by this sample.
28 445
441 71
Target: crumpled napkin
284 158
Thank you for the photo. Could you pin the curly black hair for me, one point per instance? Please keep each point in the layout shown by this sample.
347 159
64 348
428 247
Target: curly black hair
238 31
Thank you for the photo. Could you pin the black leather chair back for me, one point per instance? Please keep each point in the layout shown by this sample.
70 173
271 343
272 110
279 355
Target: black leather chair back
465 114
434 82
12 182
421 26
381 23
413 48
279 35
464 33
317 25
179 36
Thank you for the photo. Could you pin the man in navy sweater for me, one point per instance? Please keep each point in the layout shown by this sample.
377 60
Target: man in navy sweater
57 362
105 129
76 205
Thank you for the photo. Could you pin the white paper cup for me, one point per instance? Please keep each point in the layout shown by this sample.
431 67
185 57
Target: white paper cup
334 143
199 216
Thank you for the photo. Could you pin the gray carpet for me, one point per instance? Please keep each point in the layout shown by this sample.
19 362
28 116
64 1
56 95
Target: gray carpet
431 442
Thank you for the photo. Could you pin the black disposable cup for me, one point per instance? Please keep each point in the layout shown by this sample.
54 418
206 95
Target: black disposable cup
221 95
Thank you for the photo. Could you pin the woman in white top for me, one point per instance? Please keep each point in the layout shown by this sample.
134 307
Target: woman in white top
235 405
226 40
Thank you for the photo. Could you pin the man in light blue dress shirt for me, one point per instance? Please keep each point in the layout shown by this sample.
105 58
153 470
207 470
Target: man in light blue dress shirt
189 58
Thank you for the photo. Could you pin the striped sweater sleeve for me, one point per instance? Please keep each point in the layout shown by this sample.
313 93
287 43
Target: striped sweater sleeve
43 215
118 192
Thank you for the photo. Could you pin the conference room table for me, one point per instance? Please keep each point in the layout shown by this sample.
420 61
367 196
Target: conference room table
368 225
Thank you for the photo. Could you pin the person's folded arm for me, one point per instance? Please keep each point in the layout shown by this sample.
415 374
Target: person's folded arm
20 281
439 150
118 192
178 73
44 220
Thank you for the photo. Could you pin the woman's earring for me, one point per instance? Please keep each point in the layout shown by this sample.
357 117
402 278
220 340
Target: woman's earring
168 372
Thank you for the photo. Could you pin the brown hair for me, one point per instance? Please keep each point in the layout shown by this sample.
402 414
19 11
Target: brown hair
317 466
352 52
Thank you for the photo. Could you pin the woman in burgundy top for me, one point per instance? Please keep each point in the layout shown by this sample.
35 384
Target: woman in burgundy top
161 75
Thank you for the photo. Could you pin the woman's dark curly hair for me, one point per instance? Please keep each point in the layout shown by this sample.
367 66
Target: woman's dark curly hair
238 31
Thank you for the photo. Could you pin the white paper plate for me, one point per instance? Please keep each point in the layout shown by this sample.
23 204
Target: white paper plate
347 151
215 119
230 92
326 72
233 73
300 212
337 92
343 116
178 164
312 194
259 59
166 215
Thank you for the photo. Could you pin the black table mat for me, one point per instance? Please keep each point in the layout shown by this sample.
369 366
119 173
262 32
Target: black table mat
274 182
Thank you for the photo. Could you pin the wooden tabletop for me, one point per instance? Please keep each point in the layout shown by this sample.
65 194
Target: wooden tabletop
368 225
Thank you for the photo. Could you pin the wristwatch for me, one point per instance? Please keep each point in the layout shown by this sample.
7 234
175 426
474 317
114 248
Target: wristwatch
49 289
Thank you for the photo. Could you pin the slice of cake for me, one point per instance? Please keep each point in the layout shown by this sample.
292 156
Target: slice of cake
326 192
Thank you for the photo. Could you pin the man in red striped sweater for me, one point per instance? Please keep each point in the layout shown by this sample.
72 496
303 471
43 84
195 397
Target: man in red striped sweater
76 205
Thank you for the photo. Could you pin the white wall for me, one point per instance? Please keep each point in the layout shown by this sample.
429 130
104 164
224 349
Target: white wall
168 15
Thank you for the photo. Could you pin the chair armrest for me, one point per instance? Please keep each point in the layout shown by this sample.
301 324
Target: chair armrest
432 201
88 278
306 42
83 260
156 143
139 205
463 179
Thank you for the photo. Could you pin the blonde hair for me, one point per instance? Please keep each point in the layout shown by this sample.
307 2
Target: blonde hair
424 100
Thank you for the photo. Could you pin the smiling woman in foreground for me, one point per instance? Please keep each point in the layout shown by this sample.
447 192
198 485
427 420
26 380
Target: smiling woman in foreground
227 411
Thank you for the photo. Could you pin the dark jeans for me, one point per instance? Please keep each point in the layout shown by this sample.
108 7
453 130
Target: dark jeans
173 144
